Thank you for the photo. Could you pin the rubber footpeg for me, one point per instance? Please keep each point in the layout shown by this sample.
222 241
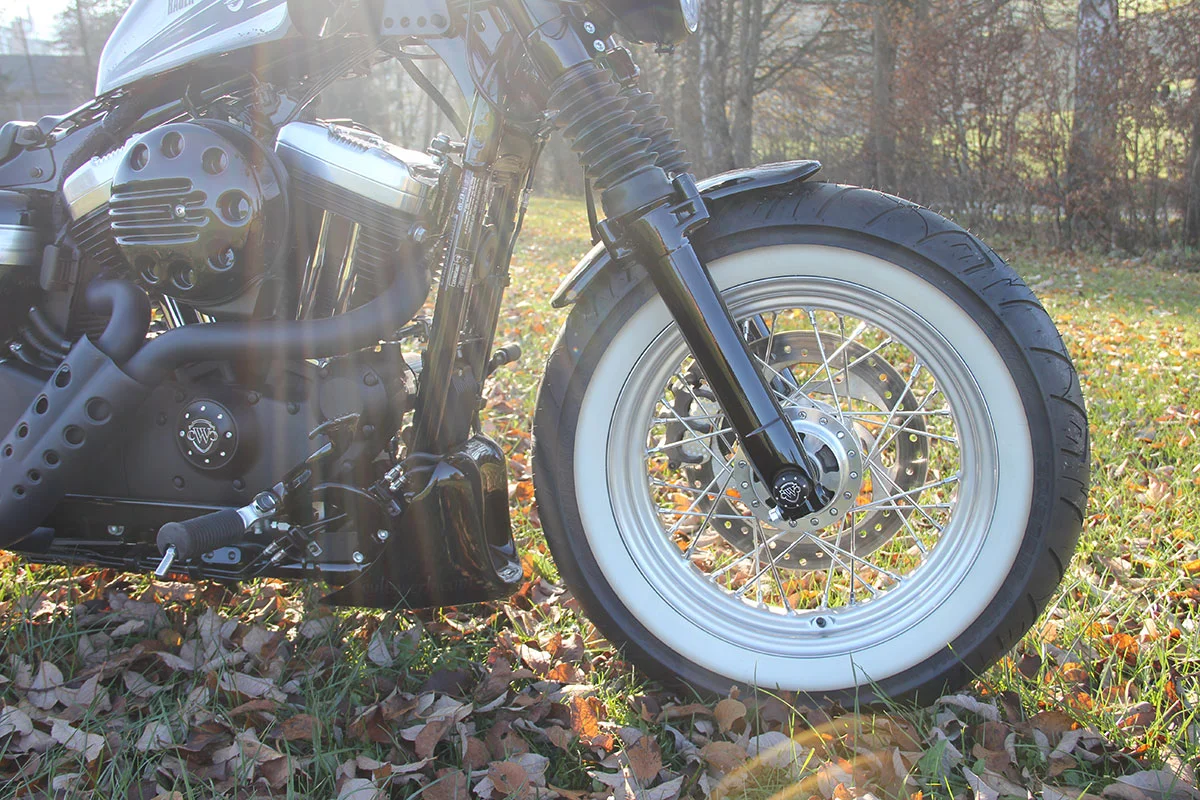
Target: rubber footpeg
200 535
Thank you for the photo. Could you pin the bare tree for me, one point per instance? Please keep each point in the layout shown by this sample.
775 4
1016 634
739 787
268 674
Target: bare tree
1090 162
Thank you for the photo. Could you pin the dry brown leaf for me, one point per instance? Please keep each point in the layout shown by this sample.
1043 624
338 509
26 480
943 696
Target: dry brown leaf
378 651
360 789
302 727
14 720
730 714
90 744
1066 793
723 757
645 759
560 737
137 685
510 779
585 721
690 710
450 784
1052 723
566 673
43 688
1157 784
155 736
250 686
476 755
430 735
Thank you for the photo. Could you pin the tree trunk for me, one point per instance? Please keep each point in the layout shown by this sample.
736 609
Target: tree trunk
1092 153
743 102
882 146
1191 213
718 144
89 66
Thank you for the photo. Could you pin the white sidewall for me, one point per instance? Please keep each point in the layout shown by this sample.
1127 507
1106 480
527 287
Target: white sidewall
794 669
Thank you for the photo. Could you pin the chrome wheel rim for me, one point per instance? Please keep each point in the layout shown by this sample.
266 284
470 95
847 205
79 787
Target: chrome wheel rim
863 600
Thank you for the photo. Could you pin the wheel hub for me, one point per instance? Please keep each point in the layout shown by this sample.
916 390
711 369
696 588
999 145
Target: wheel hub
837 452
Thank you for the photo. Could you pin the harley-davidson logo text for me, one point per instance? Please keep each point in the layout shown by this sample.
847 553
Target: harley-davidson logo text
202 434
175 6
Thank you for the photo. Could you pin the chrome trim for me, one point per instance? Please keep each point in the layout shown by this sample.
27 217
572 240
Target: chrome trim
90 186
19 246
360 163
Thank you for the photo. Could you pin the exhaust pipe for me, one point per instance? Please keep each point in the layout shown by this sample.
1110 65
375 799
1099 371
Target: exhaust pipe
76 420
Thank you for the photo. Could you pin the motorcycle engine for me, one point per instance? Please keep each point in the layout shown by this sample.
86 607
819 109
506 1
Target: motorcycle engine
203 212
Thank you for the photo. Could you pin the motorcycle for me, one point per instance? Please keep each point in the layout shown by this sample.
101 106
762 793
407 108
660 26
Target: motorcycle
792 435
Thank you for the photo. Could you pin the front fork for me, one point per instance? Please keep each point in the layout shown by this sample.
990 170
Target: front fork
650 216
659 238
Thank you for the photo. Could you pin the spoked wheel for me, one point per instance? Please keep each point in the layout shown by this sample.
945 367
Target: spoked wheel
862 423
937 402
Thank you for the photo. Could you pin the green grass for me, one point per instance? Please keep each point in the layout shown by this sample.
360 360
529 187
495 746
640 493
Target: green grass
1122 631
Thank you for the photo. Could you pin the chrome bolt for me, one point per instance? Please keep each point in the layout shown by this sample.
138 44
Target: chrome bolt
846 495
116 530
824 421
381 535
833 512
358 557
853 474
598 45
590 27
815 521
852 454
841 434
745 484
180 211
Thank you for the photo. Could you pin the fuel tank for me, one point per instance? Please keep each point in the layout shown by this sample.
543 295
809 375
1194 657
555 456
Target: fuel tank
155 36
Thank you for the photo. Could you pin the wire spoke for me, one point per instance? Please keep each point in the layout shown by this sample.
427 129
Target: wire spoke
698 438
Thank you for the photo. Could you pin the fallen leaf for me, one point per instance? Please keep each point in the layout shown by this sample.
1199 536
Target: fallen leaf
250 686
14 720
509 778
450 784
137 685
560 737
430 735
302 727
645 759
724 757
155 736
360 789
378 651
43 689
586 723
1158 784
730 713
90 744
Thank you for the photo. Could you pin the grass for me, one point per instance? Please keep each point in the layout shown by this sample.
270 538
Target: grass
1117 653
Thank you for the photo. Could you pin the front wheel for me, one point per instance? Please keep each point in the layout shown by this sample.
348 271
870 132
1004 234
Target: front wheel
929 385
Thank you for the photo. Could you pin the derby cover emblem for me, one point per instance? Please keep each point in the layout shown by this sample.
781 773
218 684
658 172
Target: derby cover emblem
202 434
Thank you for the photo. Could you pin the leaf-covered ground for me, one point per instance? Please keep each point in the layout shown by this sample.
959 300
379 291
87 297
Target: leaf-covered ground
117 686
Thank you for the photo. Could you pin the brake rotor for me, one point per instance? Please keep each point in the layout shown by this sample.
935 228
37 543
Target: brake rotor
865 382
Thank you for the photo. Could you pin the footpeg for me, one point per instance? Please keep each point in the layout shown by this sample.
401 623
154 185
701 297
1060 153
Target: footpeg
194 537
505 355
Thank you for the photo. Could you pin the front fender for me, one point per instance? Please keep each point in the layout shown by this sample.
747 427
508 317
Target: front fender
738 181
